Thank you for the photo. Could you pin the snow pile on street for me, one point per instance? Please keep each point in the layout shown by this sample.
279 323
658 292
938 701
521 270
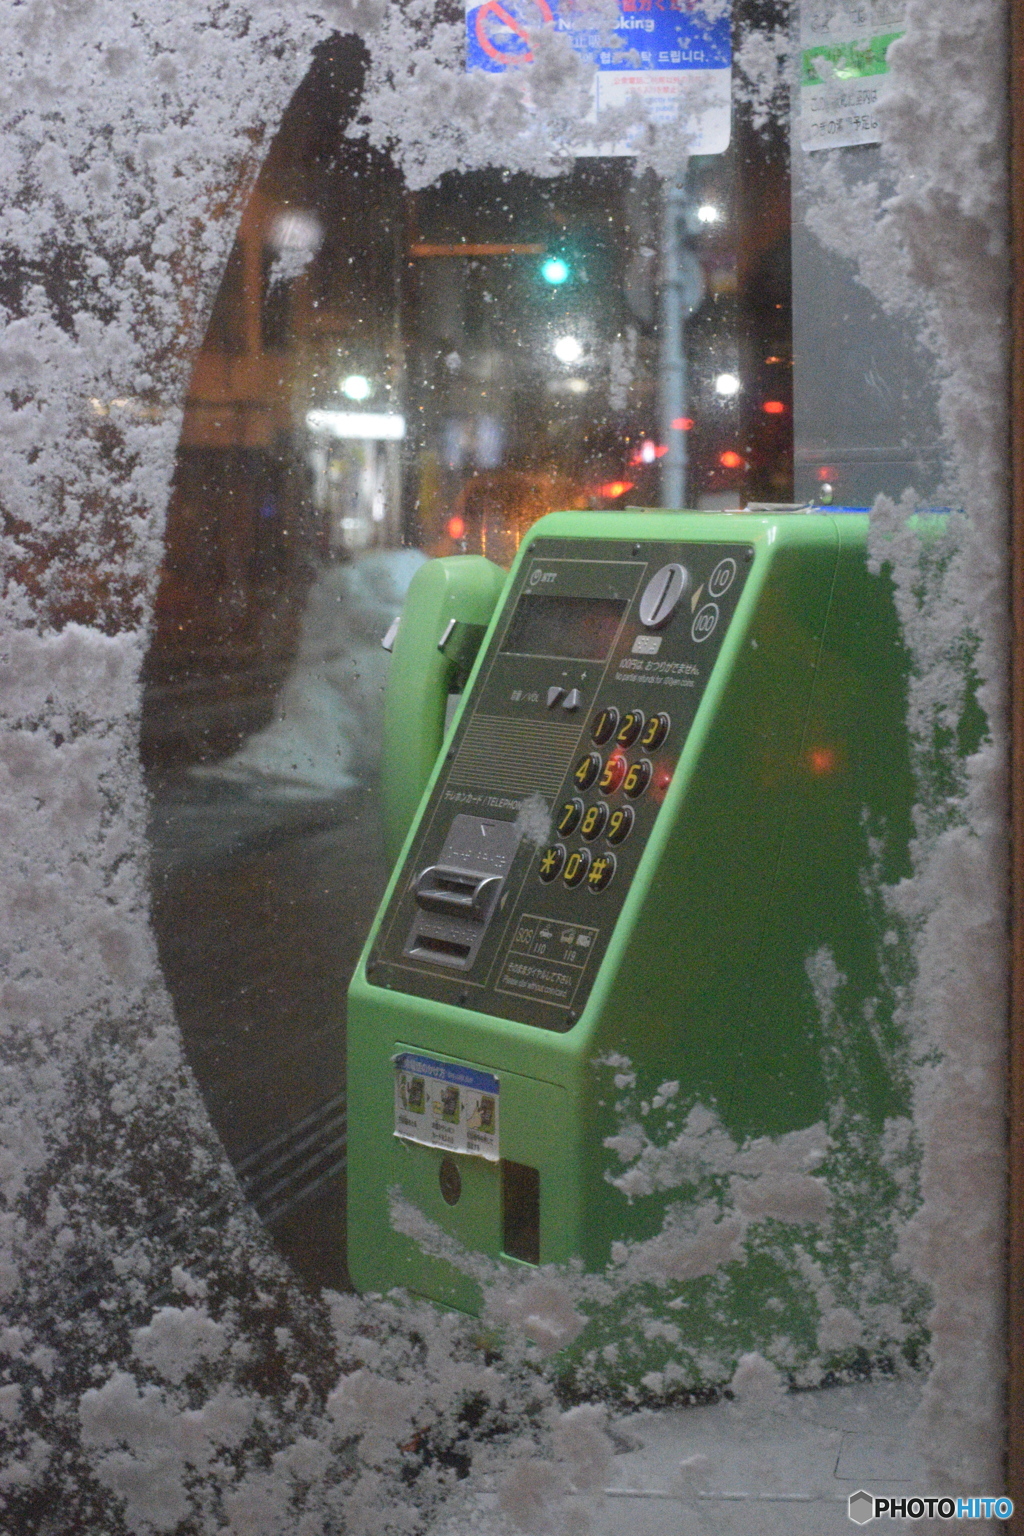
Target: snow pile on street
328 717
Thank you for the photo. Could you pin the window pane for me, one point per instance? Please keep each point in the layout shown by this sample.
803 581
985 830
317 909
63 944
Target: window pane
388 375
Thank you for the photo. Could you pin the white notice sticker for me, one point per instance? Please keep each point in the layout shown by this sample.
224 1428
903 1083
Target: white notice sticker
843 69
440 1105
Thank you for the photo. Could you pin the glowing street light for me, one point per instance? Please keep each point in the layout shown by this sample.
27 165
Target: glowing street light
727 384
567 349
356 387
707 213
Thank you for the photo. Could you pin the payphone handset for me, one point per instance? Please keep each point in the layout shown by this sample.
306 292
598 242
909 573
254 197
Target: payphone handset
650 810
447 610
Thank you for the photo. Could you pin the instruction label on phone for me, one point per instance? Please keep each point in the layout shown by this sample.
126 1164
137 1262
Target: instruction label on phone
440 1105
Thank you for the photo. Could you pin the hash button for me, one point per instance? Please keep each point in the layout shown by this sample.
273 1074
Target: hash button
601 872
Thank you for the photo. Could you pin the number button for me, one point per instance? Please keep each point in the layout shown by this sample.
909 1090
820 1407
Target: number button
569 816
601 872
657 730
629 730
577 867
613 774
606 723
621 824
637 779
594 821
551 861
586 770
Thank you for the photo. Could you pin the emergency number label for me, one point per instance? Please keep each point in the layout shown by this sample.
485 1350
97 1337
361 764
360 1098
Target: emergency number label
546 959
440 1105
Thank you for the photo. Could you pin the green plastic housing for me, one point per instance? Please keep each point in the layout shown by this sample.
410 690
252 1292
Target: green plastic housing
792 780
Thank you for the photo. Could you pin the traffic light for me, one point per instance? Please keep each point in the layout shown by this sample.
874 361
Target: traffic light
555 270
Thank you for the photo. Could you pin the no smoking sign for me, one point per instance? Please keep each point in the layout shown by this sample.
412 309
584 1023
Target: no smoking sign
674 57
502 31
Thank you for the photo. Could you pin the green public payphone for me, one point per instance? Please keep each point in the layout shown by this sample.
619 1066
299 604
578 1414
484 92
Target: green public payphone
680 742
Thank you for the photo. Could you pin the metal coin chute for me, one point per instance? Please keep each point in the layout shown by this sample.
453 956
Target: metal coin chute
662 595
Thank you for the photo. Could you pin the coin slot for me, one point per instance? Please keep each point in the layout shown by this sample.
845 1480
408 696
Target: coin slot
445 882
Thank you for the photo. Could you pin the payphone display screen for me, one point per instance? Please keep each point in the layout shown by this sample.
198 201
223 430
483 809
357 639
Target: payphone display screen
555 775
572 628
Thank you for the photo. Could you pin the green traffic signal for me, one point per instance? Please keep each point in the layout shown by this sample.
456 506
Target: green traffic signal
555 270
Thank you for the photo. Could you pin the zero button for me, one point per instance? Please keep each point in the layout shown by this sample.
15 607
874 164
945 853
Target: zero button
577 867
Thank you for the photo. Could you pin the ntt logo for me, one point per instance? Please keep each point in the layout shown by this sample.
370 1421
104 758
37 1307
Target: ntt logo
863 1506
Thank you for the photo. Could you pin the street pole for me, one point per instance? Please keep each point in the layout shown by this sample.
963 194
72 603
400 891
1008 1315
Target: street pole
672 362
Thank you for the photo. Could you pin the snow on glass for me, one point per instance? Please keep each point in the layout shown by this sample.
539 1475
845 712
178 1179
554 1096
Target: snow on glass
160 1370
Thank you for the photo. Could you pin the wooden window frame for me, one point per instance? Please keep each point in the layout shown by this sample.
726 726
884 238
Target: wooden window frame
1015 1264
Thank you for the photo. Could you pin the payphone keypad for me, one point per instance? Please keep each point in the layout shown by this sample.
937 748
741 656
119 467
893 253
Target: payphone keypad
560 763
596 819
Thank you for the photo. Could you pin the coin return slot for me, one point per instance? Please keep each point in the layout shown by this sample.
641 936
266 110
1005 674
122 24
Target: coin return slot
446 949
520 1212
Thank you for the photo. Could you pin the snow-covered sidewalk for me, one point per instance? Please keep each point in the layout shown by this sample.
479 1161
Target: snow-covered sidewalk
758 1470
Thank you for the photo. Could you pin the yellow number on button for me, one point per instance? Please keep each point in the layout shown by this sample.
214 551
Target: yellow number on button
569 815
620 825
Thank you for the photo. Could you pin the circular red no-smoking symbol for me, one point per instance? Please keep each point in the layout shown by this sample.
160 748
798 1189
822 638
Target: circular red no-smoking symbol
495 21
